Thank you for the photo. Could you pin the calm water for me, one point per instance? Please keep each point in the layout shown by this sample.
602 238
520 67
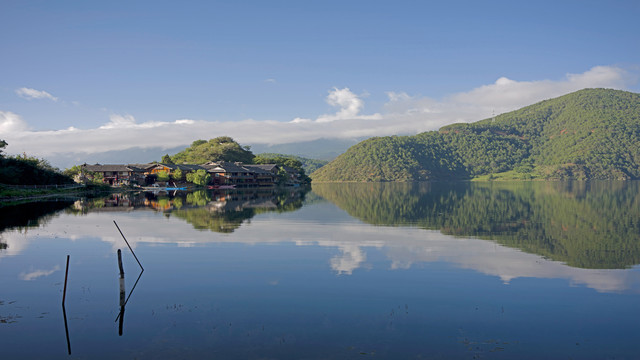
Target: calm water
387 271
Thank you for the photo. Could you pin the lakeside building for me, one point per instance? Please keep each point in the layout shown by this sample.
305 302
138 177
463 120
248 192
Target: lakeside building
222 173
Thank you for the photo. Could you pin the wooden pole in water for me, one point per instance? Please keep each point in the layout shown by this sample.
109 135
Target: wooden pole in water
120 264
66 275
64 311
122 293
125 240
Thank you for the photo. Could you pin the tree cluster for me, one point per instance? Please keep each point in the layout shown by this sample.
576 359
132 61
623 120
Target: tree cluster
28 170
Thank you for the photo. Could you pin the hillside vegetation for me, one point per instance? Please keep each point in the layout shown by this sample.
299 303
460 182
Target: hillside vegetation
222 148
309 165
588 134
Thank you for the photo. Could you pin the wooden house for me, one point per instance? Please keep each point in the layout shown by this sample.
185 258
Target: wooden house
116 174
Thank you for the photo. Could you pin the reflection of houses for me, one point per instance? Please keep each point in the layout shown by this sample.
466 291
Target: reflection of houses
241 200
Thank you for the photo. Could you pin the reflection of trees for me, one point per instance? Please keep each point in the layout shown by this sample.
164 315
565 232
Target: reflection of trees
32 214
225 212
219 211
202 218
585 224
198 198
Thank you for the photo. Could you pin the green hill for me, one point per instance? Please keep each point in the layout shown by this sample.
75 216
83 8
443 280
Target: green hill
588 134
221 148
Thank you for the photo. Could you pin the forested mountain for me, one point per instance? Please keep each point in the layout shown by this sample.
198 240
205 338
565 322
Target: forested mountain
588 134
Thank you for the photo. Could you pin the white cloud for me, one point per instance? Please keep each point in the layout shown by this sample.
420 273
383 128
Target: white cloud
349 107
349 103
10 122
402 114
31 94
119 121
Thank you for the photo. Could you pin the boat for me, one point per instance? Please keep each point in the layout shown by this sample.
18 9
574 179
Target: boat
154 187
175 188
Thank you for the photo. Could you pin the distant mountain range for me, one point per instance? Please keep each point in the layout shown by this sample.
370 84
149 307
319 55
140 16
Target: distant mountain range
320 149
588 134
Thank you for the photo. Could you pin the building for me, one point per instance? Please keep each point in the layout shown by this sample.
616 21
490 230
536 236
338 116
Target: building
115 174
223 173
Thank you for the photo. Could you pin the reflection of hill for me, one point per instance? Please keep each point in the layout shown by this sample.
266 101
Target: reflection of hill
226 212
585 224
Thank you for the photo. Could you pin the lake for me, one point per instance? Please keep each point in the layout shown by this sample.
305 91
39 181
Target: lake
526 270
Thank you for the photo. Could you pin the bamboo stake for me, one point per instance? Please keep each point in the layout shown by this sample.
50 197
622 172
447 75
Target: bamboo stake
125 240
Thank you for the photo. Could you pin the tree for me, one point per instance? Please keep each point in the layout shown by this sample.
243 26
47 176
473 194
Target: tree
79 174
24 169
200 177
166 159
3 144
177 175
283 176
163 176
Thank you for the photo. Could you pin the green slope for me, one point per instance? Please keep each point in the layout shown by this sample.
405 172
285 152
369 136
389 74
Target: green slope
221 148
588 134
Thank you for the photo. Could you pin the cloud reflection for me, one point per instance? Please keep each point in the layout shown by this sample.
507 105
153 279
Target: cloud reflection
37 274
352 258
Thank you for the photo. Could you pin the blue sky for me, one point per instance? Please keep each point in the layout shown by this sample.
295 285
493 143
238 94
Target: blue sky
119 72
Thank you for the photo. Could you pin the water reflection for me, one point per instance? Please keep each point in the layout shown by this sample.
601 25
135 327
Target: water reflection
584 224
32 214
219 211
536 229
124 299
409 277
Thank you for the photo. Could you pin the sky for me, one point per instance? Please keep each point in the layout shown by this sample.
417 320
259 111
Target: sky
81 78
